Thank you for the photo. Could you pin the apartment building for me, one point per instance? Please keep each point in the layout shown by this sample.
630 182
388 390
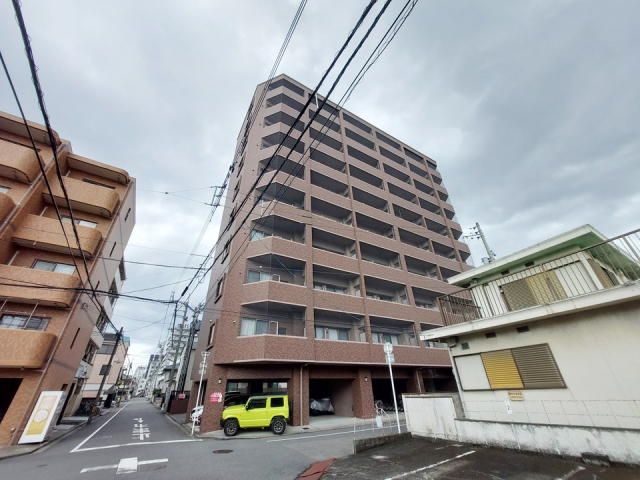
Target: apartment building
101 369
49 332
349 246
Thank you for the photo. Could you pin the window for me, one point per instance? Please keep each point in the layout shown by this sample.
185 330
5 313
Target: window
102 321
74 339
252 326
54 267
22 322
107 348
79 221
219 287
379 337
277 402
90 352
524 367
93 182
212 329
113 293
257 403
126 217
4 189
257 276
112 249
329 288
258 235
328 333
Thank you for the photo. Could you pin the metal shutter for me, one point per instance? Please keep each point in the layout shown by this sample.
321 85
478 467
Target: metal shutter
501 369
518 295
537 367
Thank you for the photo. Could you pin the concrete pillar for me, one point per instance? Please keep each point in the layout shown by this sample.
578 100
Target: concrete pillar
363 394
416 382
212 412
293 391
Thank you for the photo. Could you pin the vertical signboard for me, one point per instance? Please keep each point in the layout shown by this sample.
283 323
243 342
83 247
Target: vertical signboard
41 417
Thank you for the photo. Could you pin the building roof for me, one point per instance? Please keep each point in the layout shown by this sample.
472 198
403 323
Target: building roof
573 240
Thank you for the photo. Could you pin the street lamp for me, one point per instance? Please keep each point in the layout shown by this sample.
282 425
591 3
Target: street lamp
388 350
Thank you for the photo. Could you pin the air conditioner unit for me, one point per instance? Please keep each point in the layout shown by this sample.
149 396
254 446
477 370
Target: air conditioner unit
275 277
452 342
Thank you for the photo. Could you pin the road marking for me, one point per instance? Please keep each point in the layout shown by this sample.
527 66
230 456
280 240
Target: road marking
100 428
571 473
93 469
127 465
134 444
142 431
432 465
295 437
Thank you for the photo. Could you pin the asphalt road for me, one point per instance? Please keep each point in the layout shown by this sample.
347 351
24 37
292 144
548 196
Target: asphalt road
140 441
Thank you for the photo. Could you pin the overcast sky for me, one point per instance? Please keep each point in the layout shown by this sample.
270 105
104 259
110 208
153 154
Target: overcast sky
531 109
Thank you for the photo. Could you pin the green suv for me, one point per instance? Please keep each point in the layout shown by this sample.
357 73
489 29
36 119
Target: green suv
259 411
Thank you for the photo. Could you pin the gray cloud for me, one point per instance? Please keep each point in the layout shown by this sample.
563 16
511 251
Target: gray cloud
531 109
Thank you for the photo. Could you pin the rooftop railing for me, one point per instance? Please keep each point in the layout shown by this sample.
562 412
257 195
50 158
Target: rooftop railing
600 267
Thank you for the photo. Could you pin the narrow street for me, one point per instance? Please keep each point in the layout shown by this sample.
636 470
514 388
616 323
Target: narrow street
139 440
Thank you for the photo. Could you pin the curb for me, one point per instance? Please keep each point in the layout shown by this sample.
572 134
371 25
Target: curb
45 445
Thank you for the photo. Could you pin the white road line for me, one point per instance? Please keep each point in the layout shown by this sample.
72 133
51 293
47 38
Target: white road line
571 473
93 469
295 437
133 444
432 465
127 465
149 462
100 428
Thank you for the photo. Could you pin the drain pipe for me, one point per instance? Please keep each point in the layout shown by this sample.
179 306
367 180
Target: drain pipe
301 411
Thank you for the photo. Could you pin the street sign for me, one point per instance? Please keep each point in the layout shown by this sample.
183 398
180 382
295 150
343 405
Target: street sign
390 358
215 397
203 368
388 348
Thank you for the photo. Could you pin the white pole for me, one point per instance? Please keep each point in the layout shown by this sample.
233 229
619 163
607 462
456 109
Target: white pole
202 369
393 388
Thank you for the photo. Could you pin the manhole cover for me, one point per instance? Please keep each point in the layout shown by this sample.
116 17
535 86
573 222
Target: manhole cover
222 451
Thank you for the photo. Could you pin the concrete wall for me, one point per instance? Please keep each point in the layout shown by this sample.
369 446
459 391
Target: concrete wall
597 355
434 417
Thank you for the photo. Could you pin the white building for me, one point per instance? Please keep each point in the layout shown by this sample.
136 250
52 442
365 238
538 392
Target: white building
548 337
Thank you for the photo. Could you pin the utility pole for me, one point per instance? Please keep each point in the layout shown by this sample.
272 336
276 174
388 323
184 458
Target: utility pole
106 374
194 328
479 234
175 359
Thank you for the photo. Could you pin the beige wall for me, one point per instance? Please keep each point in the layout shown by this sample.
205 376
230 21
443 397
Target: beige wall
597 354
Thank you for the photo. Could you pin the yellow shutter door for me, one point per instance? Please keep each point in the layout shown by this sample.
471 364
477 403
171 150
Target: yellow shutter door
501 369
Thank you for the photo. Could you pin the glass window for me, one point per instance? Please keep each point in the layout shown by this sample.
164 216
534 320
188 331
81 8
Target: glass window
385 337
277 402
79 221
332 333
252 326
22 322
54 267
257 403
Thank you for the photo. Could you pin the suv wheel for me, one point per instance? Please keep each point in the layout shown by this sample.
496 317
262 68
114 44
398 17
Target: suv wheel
231 428
278 425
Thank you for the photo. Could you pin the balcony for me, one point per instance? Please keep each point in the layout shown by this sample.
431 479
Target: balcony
276 226
6 205
326 279
47 234
380 256
52 296
418 171
325 122
374 225
85 197
431 207
333 243
275 268
379 289
277 192
421 267
373 201
577 276
396 332
402 193
327 160
338 326
18 162
436 227
424 188
327 183
288 167
24 348
363 157
444 251
408 215
425 298
330 211
414 239
395 173
366 177
96 168
392 156
272 318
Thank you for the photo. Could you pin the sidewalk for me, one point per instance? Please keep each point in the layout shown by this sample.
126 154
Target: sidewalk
57 433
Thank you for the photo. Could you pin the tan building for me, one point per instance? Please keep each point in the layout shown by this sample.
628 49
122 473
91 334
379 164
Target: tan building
352 254
49 333
101 367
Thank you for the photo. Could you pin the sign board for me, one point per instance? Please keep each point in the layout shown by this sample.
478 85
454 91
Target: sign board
41 417
388 347
516 395
215 397
203 368
390 358
182 396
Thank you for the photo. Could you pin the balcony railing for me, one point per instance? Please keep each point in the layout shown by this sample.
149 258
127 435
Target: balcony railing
600 267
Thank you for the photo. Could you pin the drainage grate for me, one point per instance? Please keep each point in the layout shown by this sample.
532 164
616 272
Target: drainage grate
305 428
222 451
